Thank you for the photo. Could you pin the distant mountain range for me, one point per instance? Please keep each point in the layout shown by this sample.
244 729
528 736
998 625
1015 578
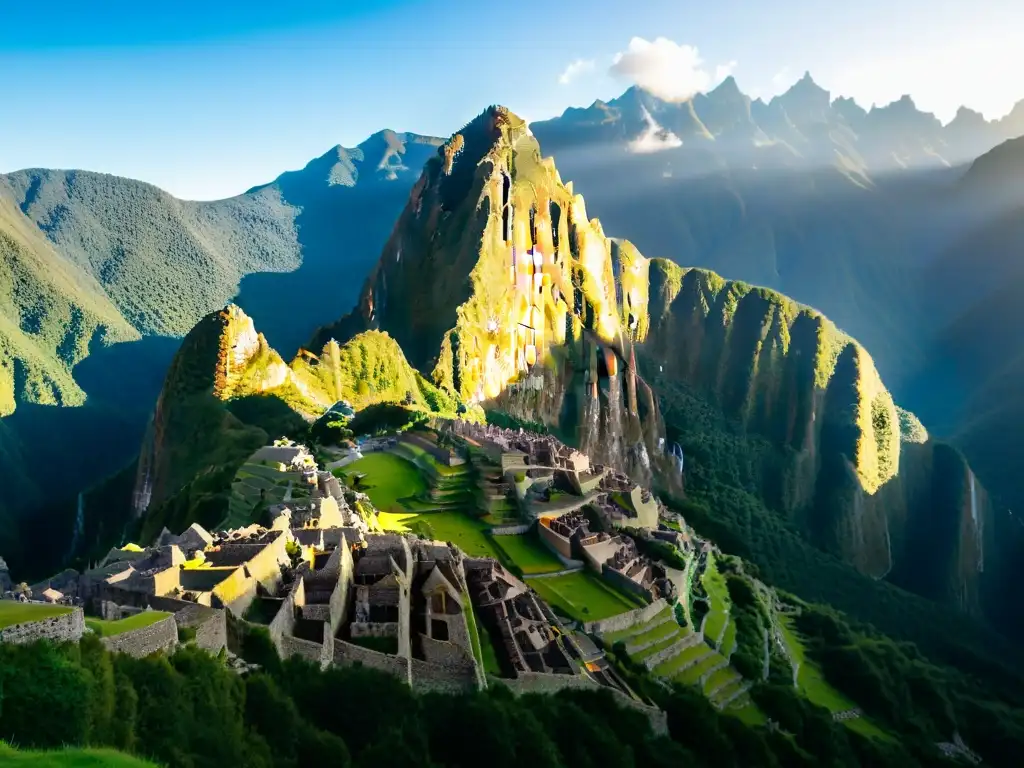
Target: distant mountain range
802 127
881 218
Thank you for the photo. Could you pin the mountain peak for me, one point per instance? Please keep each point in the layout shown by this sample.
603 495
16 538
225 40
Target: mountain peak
805 100
728 87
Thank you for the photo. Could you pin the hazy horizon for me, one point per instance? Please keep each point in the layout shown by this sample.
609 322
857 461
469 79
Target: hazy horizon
208 102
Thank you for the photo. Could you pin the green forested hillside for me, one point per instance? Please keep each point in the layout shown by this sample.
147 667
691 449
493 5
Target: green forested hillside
228 393
89 260
51 312
162 262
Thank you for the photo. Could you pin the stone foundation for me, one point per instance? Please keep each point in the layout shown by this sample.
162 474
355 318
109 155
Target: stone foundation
627 619
347 653
61 629
161 636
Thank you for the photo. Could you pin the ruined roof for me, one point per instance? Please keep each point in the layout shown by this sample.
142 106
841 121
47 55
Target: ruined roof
438 581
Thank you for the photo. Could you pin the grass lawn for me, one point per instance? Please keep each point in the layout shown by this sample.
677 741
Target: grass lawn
660 645
388 479
718 597
671 667
626 635
582 596
528 553
69 758
379 644
692 675
12 612
657 632
815 687
714 625
747 712
105 628
729 641
468 533
719 678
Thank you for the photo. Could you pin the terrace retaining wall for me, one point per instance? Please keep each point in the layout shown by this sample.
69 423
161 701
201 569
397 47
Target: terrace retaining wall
61 629
159 636
296 646
628 619
537 682
346 653
210 623
444 678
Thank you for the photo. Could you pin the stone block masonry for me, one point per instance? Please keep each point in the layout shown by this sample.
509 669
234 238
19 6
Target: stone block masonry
210 623
67 628
628 619
160 636
346 653
535 682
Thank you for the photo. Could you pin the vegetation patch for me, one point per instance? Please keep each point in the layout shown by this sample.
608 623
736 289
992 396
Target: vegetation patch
12 612
389 479
105 628
69 758
528 553
582 596
468 533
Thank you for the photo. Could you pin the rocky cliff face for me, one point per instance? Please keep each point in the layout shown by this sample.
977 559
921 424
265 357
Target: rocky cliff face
497 283
854 472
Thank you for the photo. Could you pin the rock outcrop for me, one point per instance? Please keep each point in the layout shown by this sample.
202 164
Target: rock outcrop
496 282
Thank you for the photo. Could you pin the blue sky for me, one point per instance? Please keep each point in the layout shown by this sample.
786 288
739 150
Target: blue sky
206 99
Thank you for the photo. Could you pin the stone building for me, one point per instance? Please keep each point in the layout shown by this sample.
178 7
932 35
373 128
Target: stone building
526 634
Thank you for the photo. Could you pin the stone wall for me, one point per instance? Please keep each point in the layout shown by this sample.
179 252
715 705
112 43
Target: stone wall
340 596
622 582
374 629
212 633
160 636
293 646
65 628
427 676
210 623
284 623
536 682
347 653
447 654
318 612
510 530
627 619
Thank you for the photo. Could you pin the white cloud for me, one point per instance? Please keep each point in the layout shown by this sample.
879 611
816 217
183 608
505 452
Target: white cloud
575 69
667 69
723 71
783 80
654 138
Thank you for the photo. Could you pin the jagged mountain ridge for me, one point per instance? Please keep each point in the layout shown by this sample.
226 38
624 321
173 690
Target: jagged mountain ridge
803 125
496 281
916 262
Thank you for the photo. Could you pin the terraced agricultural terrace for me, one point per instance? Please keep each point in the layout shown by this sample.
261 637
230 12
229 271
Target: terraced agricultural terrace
415 491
